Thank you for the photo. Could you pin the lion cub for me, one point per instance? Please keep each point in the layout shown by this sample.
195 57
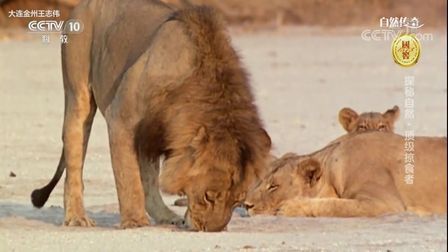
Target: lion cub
352 122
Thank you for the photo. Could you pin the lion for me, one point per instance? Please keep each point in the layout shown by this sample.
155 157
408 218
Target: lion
352 122
169 84
362 175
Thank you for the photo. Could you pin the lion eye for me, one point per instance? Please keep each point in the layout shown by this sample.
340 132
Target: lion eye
382 127
272 187
362 128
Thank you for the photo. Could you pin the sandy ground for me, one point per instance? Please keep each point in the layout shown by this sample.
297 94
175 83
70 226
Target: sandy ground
301 79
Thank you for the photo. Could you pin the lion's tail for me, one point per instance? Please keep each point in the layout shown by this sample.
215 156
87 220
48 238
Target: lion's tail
207 30
40 196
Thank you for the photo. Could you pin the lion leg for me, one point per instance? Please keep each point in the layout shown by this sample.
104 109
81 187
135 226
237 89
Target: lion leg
127 176
77 125
80 108
335 207
149 172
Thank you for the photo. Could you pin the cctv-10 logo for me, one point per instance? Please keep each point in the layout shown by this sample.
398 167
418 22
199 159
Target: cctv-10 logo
49 26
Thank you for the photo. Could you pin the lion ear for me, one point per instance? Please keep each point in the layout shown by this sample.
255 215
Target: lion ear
267 138
310 170
392 114
200 138
346 117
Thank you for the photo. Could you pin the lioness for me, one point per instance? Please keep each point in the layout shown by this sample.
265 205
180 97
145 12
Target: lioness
168 83
352 122
361 175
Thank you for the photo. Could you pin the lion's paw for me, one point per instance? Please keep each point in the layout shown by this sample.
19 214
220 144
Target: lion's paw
79 221
131 223
291 208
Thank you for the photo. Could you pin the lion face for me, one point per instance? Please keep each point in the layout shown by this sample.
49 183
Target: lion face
210 193
210 203
292 179
352 122
213 183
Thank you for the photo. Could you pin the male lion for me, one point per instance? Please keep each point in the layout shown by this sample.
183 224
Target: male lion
360 175
352 122
168 83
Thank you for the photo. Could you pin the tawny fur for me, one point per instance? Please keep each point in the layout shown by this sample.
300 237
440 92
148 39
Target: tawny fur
173 87
358 175
352 122
216 97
